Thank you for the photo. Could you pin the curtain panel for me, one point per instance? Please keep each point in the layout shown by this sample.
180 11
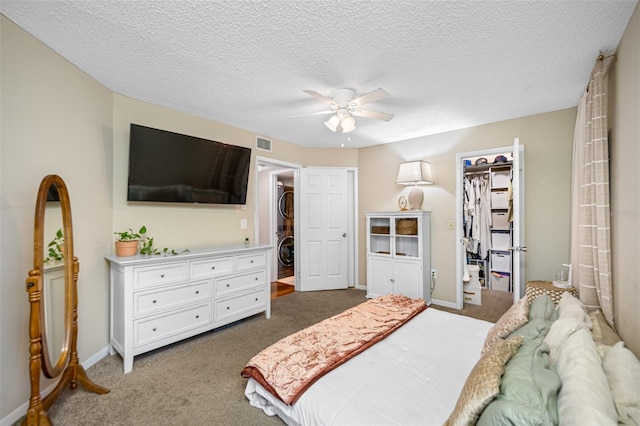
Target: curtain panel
591 236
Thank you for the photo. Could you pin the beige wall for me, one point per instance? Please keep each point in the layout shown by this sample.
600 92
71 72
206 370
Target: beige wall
55 120
548 140
625 192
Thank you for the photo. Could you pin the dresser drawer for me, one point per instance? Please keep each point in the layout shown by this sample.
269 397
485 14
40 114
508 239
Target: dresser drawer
237 305
211 267
235 283
170 297
159 275
150 330
250 261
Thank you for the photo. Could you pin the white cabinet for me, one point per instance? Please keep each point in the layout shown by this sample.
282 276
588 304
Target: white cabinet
158 300
399 254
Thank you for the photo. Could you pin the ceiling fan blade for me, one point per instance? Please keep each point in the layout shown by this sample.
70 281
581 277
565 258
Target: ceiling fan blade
374 96
322 98
372 114
313 113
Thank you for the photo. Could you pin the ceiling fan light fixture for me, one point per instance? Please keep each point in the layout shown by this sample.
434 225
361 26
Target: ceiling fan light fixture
333 123
348 124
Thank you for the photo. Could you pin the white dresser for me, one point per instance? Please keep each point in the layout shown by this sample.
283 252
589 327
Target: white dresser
158 300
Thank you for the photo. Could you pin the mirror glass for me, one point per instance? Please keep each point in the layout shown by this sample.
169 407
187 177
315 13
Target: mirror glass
53 278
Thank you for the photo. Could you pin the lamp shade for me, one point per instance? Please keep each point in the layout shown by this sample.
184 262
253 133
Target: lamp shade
415 173
333 123
348 124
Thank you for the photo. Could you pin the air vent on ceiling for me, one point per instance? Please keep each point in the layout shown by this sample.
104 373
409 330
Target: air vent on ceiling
262 143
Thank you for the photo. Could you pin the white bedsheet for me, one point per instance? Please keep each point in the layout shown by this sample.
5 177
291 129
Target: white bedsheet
413 377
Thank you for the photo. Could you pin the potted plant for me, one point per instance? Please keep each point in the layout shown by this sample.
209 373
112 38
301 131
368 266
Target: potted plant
127 241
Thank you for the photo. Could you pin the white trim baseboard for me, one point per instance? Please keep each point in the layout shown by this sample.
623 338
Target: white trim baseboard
446 304
19 412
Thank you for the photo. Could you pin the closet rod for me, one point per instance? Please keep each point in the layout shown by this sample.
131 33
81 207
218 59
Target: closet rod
486 172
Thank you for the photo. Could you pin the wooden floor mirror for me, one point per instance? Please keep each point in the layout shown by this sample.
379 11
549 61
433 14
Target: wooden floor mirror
53 300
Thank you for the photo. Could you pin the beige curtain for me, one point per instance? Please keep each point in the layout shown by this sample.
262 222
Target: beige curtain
591 241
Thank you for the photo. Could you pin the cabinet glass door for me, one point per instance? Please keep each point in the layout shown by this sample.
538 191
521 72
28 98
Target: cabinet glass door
380 235
406 237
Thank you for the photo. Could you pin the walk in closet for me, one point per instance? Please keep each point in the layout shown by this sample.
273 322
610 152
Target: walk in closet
487 225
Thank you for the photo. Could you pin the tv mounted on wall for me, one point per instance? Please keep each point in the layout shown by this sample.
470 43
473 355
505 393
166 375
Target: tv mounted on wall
170 167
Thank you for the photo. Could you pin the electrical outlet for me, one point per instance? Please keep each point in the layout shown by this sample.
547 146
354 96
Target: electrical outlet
434 273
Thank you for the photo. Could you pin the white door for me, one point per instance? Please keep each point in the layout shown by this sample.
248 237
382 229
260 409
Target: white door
517 275
324 217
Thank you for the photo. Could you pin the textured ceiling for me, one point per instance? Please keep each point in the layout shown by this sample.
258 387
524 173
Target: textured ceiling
447 64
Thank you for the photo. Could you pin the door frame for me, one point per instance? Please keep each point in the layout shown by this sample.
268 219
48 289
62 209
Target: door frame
518 288
275 167
278 167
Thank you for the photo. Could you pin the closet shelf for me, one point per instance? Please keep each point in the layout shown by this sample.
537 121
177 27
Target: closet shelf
486 167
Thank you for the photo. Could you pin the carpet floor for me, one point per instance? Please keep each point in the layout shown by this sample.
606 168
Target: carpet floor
197 381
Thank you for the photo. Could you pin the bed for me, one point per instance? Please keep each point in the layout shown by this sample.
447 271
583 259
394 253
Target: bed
539 364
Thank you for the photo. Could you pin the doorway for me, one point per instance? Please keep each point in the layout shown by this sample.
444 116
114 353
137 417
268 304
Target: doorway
273 180
285 242
275 213
490 224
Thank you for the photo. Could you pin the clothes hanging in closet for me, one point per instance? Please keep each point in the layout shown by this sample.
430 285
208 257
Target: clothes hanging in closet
477 214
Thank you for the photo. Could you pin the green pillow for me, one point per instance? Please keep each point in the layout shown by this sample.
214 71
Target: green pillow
535 328
543 307
529 389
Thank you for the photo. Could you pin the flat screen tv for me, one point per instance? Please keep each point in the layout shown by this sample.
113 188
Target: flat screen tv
170 167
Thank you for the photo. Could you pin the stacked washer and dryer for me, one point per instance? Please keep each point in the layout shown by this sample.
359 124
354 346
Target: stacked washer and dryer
285 232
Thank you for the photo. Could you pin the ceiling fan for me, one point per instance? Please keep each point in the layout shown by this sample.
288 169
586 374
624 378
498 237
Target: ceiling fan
345 105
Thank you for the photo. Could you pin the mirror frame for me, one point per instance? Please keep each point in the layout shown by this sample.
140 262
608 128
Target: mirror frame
53 368
67 365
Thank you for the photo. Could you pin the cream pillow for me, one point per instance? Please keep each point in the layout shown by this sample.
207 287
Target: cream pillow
483 383
622 369
569 306
585 397
602 332
514 318
560 330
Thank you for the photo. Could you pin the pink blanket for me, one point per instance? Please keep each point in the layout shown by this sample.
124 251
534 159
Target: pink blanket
290 366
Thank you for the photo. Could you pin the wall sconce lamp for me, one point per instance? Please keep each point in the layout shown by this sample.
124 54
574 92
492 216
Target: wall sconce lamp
415 173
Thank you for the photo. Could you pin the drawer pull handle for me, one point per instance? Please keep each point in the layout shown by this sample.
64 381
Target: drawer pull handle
256 278
154 329
251 260
197 316
197 291
256 299
154 300
161 275
213 267
228 285
228 308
